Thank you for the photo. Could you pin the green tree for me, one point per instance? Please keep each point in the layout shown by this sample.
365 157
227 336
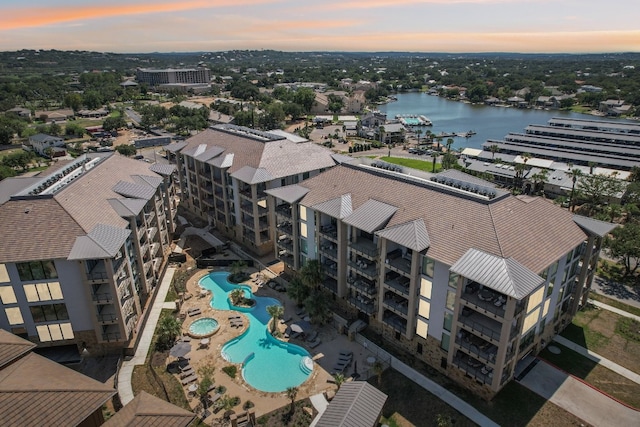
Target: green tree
336 104
128 150
624 244
339 379
539 178
73 129
54 129
92 99
494 149
596 189
434 155
169 328
238 271
311 273
574 174
6 172
378 369
297 290
317 306
305 97
114 123
275 311
73 101
236 296
292 393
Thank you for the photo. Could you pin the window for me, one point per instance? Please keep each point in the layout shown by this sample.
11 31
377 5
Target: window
424 309
428 265
303 246
49 312
419 348
303 213
37 270
4 275
453 280
444 342
43 292
55 332
303 229
14 315
422 328
305 175
448 320
425 288
7 295
451 299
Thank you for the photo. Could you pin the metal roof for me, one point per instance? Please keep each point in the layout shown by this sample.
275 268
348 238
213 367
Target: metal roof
290 193
148 410
175 146
340 207
341 158
209 153
594 226
153 181
135 191
225 161
505 275
162 169
412 234
103 241
251 175
371 215
356 404
127 208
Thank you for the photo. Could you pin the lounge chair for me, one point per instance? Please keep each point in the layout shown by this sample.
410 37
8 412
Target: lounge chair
185 367
346 353
188 380
235 317
187 373
312 336
315 343
214 398
340 367
345 359
286 320
299 311
186 338
194 312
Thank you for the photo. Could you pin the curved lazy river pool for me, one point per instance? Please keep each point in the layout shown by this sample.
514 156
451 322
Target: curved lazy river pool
268 364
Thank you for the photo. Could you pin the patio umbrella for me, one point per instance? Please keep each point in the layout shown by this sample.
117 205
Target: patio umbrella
296 328
181 349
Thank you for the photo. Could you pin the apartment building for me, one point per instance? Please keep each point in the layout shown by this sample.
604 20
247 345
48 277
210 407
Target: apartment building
84 247
464 276
225 170
157 77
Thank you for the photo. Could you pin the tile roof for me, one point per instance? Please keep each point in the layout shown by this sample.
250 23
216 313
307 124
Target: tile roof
12 347
36 391
535 233
236 147
371 215
146 410
163 169
504 275
356 404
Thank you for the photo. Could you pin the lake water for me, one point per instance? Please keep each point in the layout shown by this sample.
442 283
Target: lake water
452 116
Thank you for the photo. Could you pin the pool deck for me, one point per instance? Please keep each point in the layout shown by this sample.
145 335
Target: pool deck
325 355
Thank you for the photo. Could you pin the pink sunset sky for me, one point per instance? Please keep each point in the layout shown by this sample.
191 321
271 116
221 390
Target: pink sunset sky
330 25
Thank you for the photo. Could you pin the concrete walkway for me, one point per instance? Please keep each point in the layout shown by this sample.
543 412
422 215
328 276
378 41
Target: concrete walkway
432 387
320 403
620 370
126 370
614 310
577 397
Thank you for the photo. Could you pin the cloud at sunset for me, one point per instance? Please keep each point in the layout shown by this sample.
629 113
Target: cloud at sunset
397 25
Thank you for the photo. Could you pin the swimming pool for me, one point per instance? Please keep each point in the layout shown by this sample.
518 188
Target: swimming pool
203 327
268 363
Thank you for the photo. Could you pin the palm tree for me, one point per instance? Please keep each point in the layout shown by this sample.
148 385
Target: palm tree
539 180
418 133
519 169
311 274
381 131
494 149
592 165
275 311
168 330
236 296
292 393
434 155
439 142
574 174
298 290
449 144
237 271
378 369
525 158
318 307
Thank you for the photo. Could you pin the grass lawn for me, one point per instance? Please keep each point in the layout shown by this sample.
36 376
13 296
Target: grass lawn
598 376
5 153
615 303
608 334
422 165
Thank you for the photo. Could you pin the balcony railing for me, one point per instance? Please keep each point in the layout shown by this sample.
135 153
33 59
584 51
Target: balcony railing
329 232
284 210
287 259
363 304
366 269
399 307
286 244
331 284
102 297
478 347
363 287
111 336
365 248
473 368
330 249
286 227
98 277
108 318
487 302
400 265
482 325
399 284
394 321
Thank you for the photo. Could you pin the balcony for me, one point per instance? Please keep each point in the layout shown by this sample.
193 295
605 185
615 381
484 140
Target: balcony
363 304
394 321
284 211
246 193
329 249
399 284
485 301
246 207
365 268
98 274
401 265
111 333
473 368
365 248
331 268
480 325
286 243
398 305
286 228
149 215
287 259
208 201
476 346
154 248
331 284
363 287
107 315
329 232
151 232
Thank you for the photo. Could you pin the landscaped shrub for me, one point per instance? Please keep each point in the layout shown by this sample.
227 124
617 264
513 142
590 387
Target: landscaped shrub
230 370
248 405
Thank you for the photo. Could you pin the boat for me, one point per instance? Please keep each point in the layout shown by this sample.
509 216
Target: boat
413 120
467 134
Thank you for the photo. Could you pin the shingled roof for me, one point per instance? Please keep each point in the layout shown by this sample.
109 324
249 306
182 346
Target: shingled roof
146 410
